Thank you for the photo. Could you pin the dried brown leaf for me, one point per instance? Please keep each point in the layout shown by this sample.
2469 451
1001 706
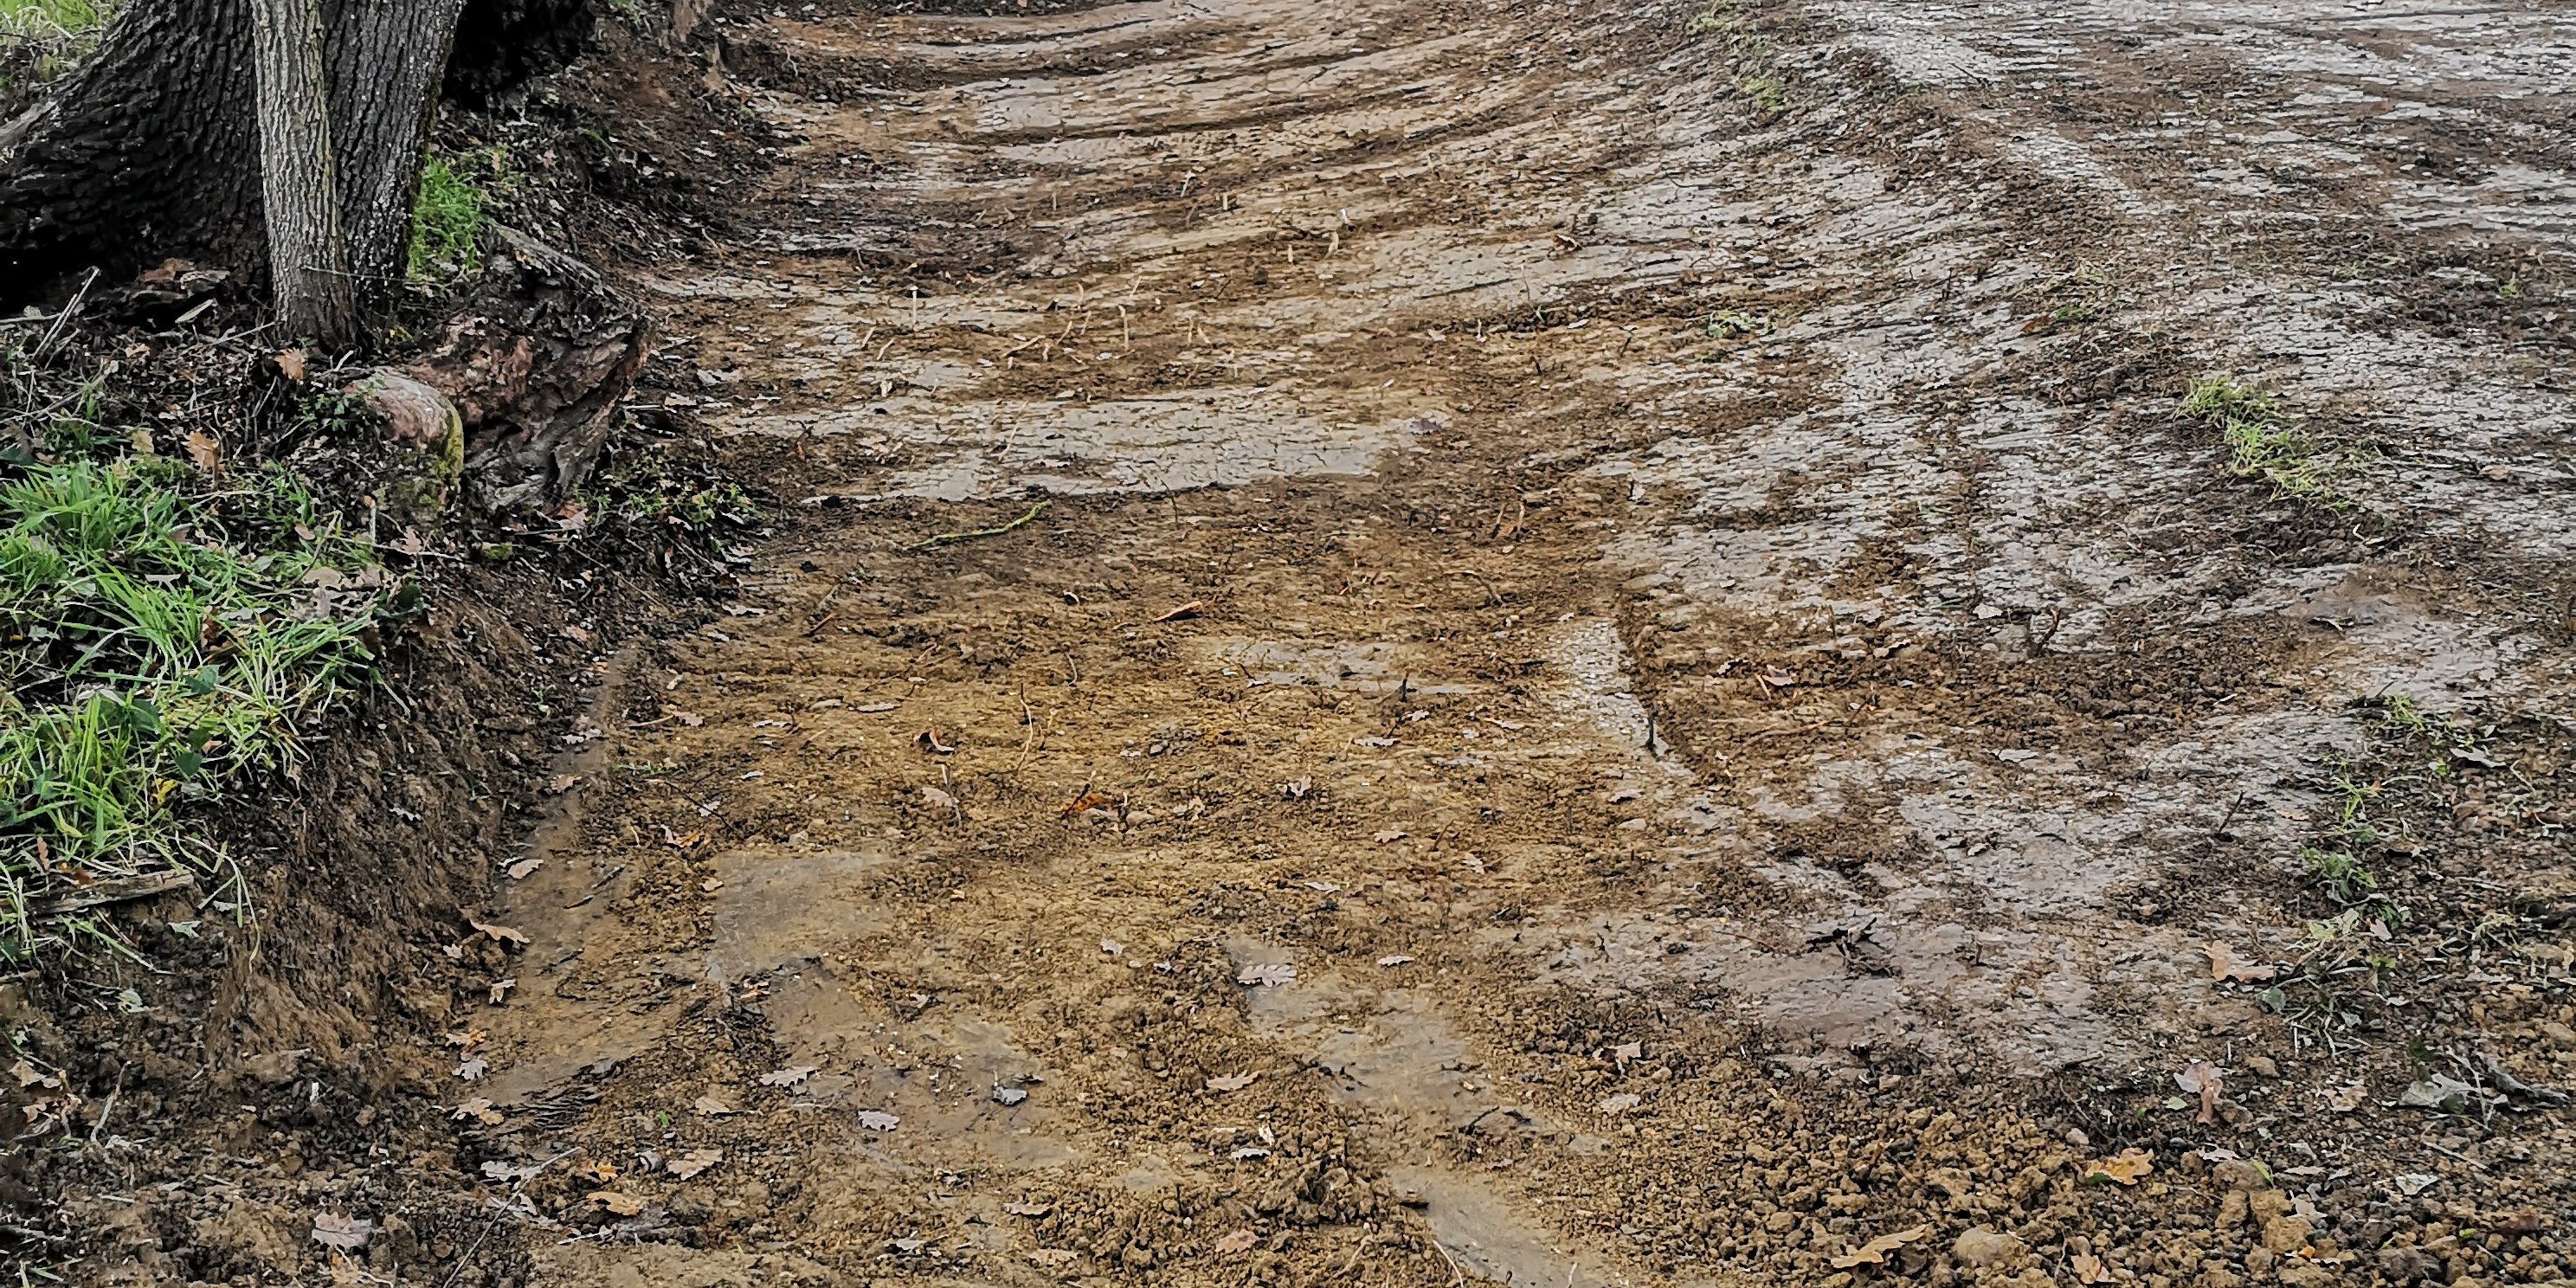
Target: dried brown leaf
2124 1167
500 934
332 1230
2224 964
1874 1252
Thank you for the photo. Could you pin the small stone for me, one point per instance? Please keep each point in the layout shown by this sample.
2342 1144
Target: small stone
2407 1265
413 413
2286 1234
1982 1247
2262 1066
2295 1273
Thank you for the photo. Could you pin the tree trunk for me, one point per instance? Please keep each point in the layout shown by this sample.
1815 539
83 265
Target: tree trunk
308 264
150 150
387 60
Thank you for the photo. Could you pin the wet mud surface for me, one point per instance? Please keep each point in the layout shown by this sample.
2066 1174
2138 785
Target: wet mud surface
1544 644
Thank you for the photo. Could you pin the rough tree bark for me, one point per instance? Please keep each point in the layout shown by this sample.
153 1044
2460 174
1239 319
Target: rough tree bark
150 150
308 263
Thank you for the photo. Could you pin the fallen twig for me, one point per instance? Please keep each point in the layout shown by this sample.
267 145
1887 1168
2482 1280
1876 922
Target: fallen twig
116 890
947 537
64 318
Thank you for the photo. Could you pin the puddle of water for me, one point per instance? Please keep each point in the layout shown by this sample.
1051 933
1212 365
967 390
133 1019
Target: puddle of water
1389 1053
780 908
1492 1241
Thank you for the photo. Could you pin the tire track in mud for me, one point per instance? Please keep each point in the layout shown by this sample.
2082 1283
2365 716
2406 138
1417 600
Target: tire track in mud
1580 686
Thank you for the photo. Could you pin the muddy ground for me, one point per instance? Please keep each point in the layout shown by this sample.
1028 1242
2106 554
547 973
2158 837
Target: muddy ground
1441 643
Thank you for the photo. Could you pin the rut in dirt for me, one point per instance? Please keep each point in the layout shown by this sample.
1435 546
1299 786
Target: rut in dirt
1525 643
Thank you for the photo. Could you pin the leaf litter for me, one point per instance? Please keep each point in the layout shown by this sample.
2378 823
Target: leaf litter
346 1233
1874 1252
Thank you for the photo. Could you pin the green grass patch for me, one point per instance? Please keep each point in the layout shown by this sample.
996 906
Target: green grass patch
51 17
446 222
166 633
42 39
2262 441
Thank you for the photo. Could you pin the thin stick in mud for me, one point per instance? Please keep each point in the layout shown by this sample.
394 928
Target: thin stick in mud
947 537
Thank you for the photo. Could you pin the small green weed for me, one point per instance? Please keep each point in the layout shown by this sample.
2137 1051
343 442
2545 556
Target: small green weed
2345 880
1728 324
159 640
709 516
2262 441
1765 90
647 493
1714 18
2405 717
2335 861
446 222
2445 738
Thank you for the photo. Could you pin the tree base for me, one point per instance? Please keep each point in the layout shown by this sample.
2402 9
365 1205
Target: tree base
536 364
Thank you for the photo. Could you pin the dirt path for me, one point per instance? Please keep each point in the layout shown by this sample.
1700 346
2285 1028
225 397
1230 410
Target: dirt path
1553 645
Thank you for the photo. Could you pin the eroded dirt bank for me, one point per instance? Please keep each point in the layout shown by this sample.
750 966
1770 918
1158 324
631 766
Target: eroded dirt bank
1584 645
